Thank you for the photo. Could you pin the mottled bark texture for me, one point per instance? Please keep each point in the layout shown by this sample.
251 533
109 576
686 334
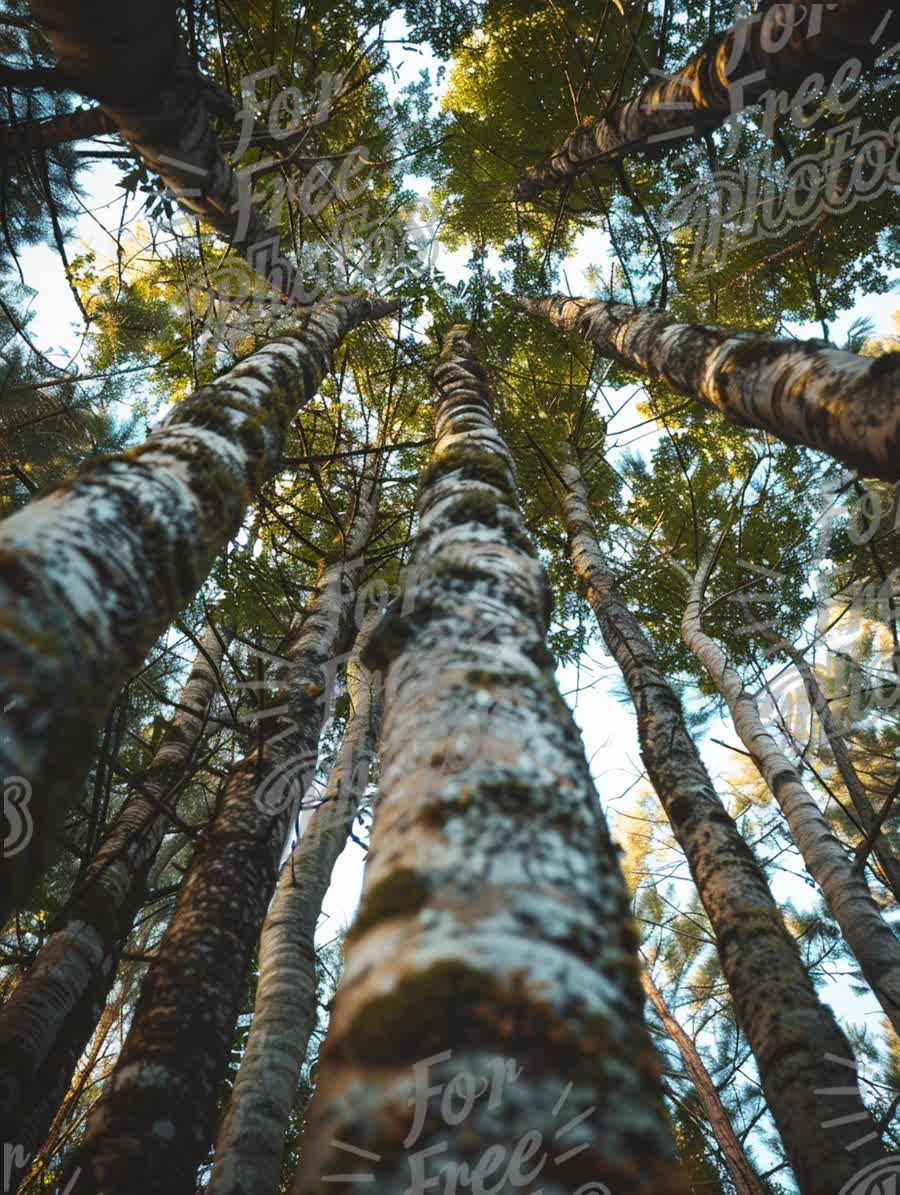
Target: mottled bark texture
791 1033
250 1143
741 1172
494 930
868 818
94 570
154 1124
732 71
130 57
870 938
800 391
48 1021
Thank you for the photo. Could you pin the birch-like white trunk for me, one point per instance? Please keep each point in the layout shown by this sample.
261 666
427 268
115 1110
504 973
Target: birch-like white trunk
840 403
130 57
732 71
870 938
95 569
494 930
50 1017
250 1143
868 818
154 1124
794 1037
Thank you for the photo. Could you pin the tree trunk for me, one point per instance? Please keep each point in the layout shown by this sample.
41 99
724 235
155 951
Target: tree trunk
94 570
792 1034
167 852
153 1126
40 134
849 901
733 71
50 1017
494 930
868 818
744 1177
130 57
800 391
250 1144
89 1075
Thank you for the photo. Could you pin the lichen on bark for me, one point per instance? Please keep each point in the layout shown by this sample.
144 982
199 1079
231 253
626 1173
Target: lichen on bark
800 1052
492 912
732 71
95 569
803 392
172 1062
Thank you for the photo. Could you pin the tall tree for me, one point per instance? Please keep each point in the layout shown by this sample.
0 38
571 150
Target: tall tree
780 47
176 1051
166 307
162 511
745 1179
132 58
250 1142
802 392
793 1035
867 933
872 823
494 917
50 1017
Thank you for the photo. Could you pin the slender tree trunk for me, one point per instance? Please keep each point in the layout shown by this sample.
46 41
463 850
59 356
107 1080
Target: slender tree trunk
868 818
847 896
165 855
131 58
250 1144
733 71
744 1177
494 930
793 1036
40 134
89 1073
52 1141
49 1019
800 391
94 570
153 1126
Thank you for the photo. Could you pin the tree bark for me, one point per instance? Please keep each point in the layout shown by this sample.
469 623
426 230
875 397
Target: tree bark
89 1075
494 928
793 1036
167 852
250 1143
130 58
94 570
890 865
731 72
153 1126
49 1019
847 896
745 1179
39 134
800 391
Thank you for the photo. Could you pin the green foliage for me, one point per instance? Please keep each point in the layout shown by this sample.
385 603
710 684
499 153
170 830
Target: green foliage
164 314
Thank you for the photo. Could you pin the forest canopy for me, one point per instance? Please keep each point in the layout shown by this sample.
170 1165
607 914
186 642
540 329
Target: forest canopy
449 625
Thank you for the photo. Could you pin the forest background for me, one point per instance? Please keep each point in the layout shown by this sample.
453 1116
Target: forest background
118 302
